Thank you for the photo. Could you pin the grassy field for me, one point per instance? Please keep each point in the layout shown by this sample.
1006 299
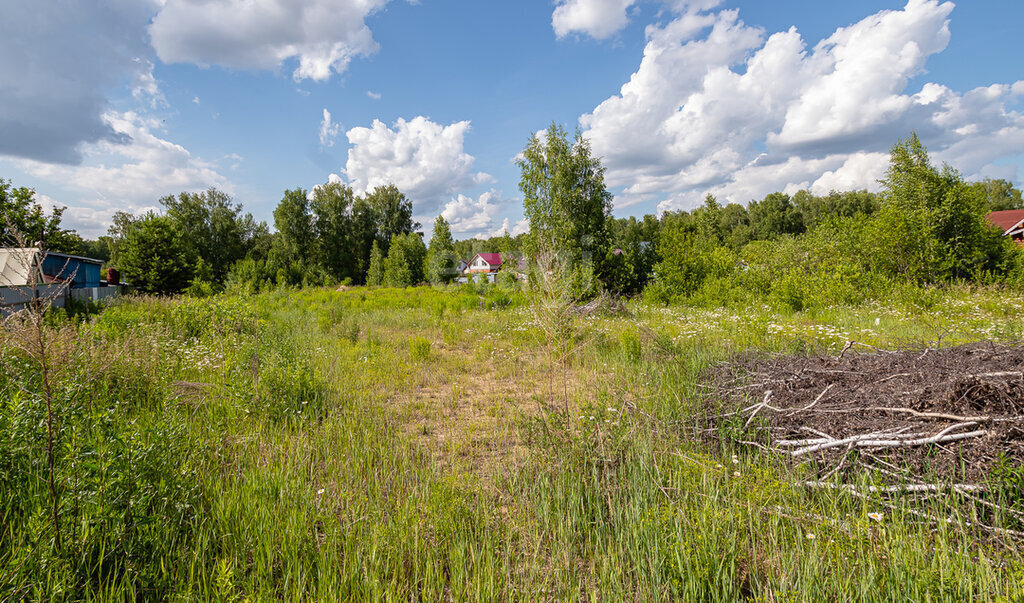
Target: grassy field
459 445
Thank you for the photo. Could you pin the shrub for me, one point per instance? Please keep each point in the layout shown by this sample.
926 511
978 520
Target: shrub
419 348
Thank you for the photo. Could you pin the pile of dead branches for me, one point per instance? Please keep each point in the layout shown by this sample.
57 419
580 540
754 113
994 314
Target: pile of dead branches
929 420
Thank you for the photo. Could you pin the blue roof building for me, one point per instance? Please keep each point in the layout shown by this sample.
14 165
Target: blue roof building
85 272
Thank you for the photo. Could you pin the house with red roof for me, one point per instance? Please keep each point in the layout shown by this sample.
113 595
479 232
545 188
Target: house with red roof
1010 221
488 263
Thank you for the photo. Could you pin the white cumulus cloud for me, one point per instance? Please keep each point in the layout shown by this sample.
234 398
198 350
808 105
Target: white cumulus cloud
328 130
138 174
719 106
425 160
600 19
474 217
597 18
323 36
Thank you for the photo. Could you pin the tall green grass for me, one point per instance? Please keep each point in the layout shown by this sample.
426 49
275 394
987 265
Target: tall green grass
253 448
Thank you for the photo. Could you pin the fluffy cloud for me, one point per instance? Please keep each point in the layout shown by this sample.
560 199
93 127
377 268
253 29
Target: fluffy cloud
425 160
57 63
322 35
328 130
597 18
478 216
140 172
717 106
601 18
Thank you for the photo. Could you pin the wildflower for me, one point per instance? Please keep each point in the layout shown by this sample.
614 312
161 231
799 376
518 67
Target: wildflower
735 461
875 516
810 536
719 465
320 491
736 473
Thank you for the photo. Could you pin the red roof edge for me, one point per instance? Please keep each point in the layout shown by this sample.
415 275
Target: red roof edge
1005 219
494 259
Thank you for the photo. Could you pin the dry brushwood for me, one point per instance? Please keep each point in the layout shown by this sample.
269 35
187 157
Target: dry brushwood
944 415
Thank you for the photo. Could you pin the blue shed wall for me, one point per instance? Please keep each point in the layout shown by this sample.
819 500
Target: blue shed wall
87 274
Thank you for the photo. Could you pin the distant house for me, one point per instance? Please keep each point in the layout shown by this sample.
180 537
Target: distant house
1010 221
22 281
488 263
78 271
29 273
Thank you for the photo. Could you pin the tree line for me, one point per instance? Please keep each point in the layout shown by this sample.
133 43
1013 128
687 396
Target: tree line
925 226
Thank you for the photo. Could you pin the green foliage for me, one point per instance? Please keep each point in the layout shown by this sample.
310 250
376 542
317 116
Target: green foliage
375 274
441 255
931 227
392 213
328 236
397 270
249 276
1007 483
688 259
630 344
214 226
816 210
295 242
419 348
997 194
21 215
413 253
153 255
774 216
928 227
335 230
564 198
630 260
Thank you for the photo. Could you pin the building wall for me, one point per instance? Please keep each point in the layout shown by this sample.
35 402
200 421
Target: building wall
86 274
14 299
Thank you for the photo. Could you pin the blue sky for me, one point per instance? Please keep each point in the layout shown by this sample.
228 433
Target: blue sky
108 106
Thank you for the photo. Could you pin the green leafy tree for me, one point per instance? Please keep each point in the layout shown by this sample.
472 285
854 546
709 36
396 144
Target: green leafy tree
688 260
815 210
334 229
292 256
707 219
98 249
215 227
392 214
633 253
931 226
375 274
414 253
736 229
774 216
998 194
153 255
21 215
564 197
396 266
441 255
294 224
